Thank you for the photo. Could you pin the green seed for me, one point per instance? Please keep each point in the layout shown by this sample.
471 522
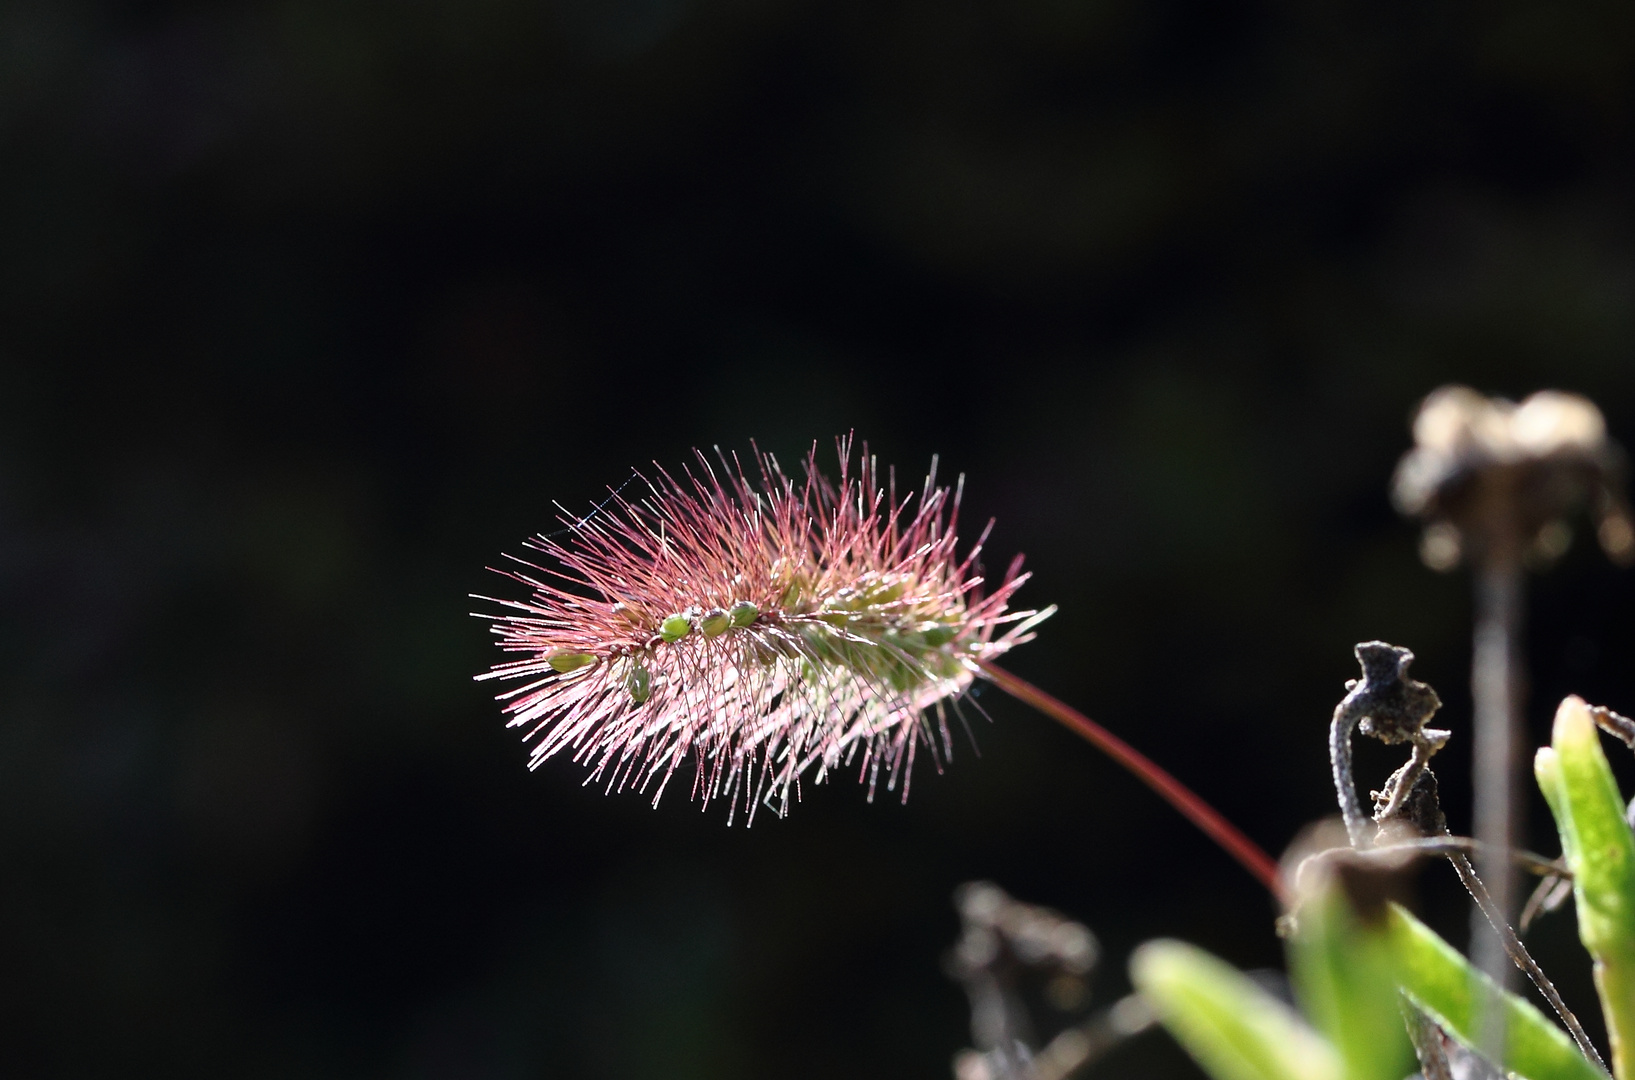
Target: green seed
883 592
566 661
939 635
714 623
743 613
639 683
675 628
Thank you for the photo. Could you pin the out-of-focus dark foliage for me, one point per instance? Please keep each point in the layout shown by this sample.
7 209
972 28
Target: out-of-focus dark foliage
311 308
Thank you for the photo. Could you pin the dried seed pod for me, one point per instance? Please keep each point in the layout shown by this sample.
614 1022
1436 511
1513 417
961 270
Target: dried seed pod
1491 477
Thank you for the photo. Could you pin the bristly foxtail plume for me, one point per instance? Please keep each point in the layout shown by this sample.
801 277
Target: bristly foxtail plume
758 629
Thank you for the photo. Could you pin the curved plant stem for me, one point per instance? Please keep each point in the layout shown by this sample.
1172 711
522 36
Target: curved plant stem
1248 854
1451 845
1345 784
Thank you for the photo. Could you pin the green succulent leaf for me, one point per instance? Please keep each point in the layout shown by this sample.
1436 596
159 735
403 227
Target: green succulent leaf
1443 983
1232 1027
1344 973
1600 849
1547 770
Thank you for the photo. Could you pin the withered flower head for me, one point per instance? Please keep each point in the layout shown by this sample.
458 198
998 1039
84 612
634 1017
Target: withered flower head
757 628
1494 479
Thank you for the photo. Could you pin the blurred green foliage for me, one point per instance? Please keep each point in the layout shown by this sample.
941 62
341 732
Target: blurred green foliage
1600 852
1345 975
1349 968
1235 1028
1444 983
1356 974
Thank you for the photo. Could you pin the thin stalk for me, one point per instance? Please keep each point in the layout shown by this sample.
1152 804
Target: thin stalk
1496 687
1427 1040
1192 807
1530 861
1345 784
1517 953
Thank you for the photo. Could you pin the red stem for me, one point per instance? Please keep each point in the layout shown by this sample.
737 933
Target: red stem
1177 794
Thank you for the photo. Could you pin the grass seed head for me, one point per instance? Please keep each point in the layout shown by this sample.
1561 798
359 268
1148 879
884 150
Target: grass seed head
752 628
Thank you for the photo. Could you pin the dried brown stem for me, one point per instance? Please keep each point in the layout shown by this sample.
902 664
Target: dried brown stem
1530 861
1519 955
1428 1046
1614 724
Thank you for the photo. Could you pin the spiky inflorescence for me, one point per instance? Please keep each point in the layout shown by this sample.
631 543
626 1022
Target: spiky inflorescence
758 629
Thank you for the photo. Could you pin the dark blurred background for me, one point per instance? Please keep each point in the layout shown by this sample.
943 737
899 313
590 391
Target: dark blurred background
313 307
